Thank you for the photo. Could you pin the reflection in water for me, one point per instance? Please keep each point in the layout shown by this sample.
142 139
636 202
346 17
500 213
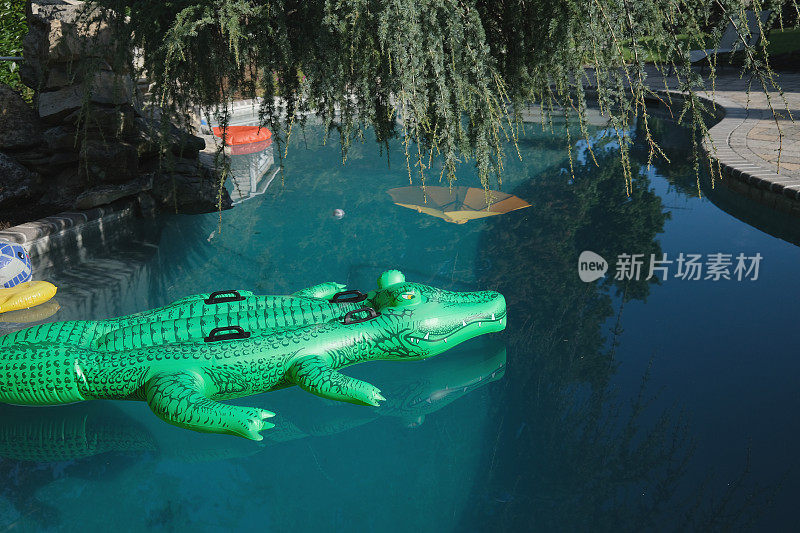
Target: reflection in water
681 175
93 440
64 433
252 168
99 271
561 455
571 455
446 381
412 392
116 269
250 158
13 320
39 445
766 219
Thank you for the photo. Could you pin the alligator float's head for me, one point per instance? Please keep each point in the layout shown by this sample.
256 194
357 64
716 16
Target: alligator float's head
430 320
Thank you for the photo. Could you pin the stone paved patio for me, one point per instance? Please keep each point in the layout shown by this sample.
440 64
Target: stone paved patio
760 136
758 151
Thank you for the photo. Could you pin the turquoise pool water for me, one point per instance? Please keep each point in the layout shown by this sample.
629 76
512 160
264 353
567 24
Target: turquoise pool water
608 405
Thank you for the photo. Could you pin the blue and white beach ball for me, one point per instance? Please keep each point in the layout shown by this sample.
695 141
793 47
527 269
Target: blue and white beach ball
15 265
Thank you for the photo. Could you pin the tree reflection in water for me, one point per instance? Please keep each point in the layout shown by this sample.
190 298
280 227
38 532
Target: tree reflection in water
568 452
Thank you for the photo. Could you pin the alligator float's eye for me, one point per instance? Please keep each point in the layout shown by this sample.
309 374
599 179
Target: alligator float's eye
405 298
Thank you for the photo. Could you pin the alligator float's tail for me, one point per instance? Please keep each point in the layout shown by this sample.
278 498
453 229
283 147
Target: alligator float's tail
39 374
75 332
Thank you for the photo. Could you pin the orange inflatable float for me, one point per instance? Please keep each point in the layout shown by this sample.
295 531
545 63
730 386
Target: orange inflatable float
245 139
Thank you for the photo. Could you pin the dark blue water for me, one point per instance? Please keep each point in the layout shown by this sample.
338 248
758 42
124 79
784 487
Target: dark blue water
619 404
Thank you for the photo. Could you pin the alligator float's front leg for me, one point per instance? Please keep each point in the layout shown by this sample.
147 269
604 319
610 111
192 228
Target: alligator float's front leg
324 291
180 398
314 375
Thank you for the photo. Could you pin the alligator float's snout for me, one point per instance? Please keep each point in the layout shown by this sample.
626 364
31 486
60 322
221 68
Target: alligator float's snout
455 318
493 310
484 308
485 314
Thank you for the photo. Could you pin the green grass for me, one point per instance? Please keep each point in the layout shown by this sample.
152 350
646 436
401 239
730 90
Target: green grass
695 41
783 41
780 42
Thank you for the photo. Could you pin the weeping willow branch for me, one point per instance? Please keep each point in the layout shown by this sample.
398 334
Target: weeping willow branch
449 77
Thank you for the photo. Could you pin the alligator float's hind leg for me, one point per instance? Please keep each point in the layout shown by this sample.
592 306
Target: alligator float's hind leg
314 375
180 399
323 290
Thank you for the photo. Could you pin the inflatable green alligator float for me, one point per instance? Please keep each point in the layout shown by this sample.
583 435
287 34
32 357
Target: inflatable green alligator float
181 359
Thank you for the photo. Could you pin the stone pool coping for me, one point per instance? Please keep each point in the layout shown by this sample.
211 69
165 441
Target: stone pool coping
744 140
744 170
38 236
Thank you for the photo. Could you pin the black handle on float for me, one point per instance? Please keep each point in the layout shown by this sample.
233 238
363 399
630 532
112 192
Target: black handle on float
348 297
348 318
216 298
237 333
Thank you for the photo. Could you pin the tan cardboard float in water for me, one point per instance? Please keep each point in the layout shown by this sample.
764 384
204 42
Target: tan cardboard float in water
456 204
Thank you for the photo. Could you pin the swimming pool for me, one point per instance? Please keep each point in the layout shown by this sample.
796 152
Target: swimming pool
615 404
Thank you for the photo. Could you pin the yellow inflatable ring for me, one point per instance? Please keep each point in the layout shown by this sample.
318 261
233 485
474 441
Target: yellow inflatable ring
25 295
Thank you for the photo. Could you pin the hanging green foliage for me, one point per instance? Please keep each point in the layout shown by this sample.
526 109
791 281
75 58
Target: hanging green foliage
12 30
450 77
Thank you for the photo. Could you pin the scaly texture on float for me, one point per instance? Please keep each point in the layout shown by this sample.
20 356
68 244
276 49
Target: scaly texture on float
181 359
